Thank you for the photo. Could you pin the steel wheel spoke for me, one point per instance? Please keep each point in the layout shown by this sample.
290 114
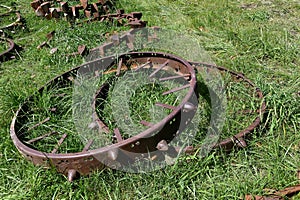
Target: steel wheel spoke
165 106
59 143
41 137
158 69
87 146
174 77
118 135
145 123
176 89
143 65
38 124
119 67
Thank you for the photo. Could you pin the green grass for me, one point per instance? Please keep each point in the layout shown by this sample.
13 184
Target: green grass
258 38
3 46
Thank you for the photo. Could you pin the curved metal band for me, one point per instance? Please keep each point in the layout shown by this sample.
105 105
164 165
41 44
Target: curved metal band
5 55
238 139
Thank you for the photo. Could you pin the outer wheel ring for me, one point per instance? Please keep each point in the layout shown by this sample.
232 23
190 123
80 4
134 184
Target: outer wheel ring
72 164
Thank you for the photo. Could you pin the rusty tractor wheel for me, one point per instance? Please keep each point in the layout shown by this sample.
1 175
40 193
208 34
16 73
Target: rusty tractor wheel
44 132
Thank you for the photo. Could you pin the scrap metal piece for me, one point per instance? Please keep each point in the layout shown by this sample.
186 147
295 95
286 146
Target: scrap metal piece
145 123
162 145
118 135
40 12
87 146
8 54
45 6
119 67
72 174
42 45
50 35
158 69
65 7
35 4
279 195
94 12
19 21
82 50
84 3
165 106
54 13
149 62
137 24
250 197
59 143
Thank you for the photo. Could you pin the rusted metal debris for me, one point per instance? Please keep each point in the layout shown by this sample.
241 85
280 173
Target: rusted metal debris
19 21
12 47
49 37
82 50
82 163
279 195
10 52
127 39
42 45
99 11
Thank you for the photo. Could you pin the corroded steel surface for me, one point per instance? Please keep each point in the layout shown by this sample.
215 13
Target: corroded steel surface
99 11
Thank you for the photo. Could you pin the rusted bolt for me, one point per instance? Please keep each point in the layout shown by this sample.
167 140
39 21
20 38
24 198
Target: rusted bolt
189 107
72 174
113 154
162 145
